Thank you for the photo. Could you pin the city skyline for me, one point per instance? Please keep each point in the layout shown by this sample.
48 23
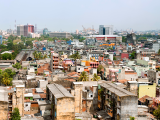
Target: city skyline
71 15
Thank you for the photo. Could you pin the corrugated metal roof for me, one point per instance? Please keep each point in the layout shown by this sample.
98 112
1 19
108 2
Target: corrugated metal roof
39 90
58 91
36 96
116 90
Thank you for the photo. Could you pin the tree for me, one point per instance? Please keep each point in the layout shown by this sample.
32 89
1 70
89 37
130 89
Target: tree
76 56
114 58
96 77
124 39
29 43
132 118
100 67
156 113
83 76
6 56
10 72
16 114
17 65
6 80
133 55
159 51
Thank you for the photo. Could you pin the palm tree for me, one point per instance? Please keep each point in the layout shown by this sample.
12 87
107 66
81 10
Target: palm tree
35 54
83 76
95 77
44 56
6 80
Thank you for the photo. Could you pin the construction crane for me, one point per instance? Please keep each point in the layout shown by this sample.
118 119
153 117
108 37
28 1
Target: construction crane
84 29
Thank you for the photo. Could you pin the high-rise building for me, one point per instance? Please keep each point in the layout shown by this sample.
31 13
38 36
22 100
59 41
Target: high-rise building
24 30
28 29
45 31
20 30
105 29
0 39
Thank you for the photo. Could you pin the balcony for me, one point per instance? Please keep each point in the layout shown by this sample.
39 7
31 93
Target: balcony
55 66
55 59
55 63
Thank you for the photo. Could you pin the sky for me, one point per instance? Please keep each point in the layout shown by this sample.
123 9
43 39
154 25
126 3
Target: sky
70 15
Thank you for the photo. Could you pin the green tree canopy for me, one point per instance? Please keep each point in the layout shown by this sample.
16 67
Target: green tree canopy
16 114
96 77
6 80
6 56
159 51
114 58
100 67
17 65
156 113
76 56
83 76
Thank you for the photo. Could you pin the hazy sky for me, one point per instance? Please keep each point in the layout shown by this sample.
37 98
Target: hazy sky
69 15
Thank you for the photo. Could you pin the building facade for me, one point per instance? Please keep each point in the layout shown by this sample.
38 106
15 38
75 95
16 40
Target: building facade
60 34
62 102
117 102
106 30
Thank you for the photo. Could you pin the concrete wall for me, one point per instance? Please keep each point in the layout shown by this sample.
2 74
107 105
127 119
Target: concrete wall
27 106
18 100
149 90
65 109
78 97
3 110
128 107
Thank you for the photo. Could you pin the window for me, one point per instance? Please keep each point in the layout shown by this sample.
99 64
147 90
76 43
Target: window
78 68
91 95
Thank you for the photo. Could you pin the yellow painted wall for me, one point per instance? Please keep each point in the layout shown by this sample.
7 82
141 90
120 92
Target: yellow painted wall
149 90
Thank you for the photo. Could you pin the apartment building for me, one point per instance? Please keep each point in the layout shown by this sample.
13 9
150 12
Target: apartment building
4 104
154 76
62 102
117 102
54 61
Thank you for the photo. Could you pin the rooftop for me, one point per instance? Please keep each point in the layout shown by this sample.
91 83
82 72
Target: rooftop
115 89
59 91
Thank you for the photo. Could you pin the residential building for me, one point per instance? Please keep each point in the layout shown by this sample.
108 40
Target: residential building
18 97
4 104
156 47
60 34
117 102
131 38
76 43
106 38
105 29
54 61
94 55
66 63
62 102
147 89
154 76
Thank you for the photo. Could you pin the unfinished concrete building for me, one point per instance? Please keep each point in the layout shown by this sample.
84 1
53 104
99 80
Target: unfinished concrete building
117 102
18 98
3 103
62 102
